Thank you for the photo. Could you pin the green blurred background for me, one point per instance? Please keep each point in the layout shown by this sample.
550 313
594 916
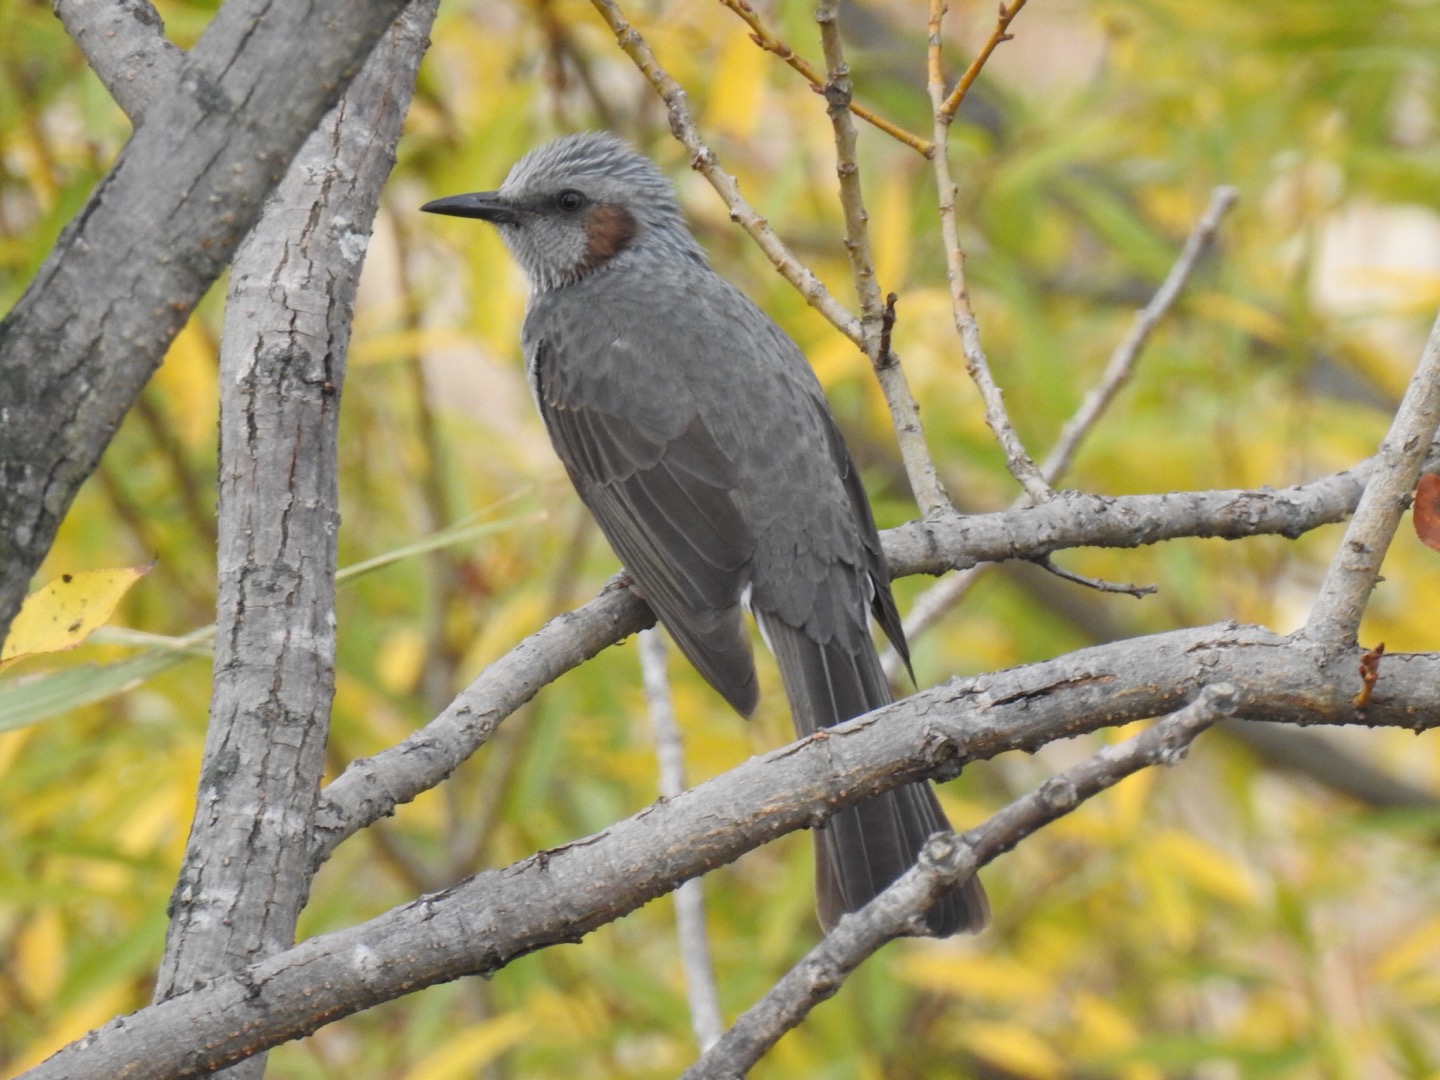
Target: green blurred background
1219 920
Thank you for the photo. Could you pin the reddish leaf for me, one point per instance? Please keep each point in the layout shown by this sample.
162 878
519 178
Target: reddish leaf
1426 513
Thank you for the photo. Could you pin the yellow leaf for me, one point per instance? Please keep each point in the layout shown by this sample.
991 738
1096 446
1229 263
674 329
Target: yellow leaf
156 820
472 1049
382 347
734 106
1206 867
190 385
11 743
1128 803
1103 1030
890 233
1416 951
1242 315
1169 907
1013 1048
400 659
40 956
975 978
833 358
63 613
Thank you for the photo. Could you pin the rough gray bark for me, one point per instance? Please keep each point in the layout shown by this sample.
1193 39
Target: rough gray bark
125 274
125 45
282 365
1355 569
945 861
1079 519
231 984
370 788
558 896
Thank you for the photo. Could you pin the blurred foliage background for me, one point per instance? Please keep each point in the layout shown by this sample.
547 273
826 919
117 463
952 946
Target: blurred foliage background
1224 919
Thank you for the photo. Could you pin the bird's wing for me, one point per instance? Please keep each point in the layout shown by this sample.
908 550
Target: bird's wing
882 603
659 487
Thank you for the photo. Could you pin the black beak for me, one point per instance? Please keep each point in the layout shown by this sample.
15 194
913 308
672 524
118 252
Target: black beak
486 205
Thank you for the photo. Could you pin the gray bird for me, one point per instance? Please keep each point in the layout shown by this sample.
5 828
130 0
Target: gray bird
701 442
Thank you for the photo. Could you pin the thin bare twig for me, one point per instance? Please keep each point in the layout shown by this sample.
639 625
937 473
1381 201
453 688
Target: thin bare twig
1018 461
706 1019
947 859
1098 584
928 492
771 44
1122 361
702 159
838 94
876 316
932 605
1335 619
1001 33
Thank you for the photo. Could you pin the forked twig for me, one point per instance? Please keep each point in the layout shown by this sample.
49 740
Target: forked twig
932 605
877 317
1019 462
947 859
1000 34
702 159
771 44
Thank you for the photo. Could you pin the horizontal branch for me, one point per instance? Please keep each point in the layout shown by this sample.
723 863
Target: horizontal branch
481 924
1075 519
370 788
947 860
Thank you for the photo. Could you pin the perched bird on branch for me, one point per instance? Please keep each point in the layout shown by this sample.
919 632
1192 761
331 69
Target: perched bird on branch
700 440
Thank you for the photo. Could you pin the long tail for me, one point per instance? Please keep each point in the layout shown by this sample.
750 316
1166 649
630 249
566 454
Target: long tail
862 850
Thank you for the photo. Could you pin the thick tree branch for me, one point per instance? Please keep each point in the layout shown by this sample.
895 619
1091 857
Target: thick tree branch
1075 519
1345 768
372 787
246 871
946 860
481 924
125 45
125 274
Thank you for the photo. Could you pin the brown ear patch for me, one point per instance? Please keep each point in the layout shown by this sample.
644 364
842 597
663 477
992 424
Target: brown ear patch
609 228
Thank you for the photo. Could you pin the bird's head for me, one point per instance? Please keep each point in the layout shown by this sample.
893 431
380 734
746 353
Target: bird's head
578 205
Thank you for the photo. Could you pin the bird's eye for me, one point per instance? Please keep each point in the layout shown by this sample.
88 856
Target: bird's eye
570 200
